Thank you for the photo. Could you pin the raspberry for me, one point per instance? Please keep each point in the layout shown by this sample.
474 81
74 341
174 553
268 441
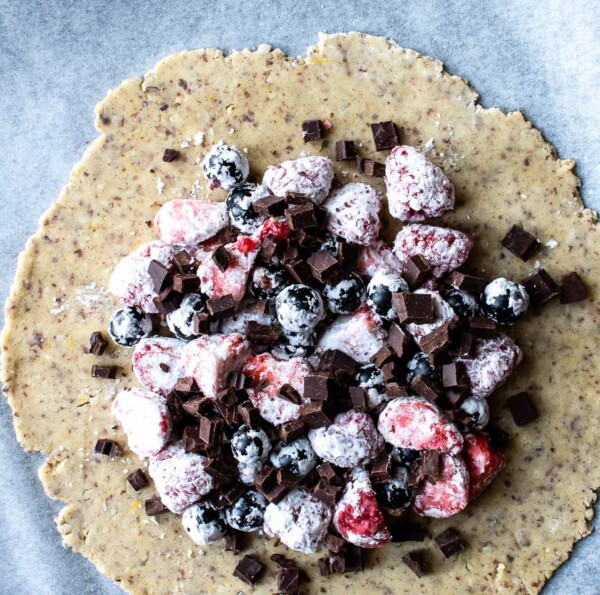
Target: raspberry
210 358
130 281
275 373
357 515
359 335
377 257
353 213
278 229
308 176
445 249
443 313
415 423
145 419
179 477
351 441
416 188
157 363
190 221
483 462
449 495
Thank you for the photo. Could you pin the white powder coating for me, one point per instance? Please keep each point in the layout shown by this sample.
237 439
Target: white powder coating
299 315
416 188
449 495
442 311
493 363
249 472
245 204
179 477
238 322
415 423
225 167
377 257
308 176
200 531
182 320
130 281
478 409
300 520
350 441
385 279
145 419
157 363
518 298
444 249
210 358
359 335
190 221
353 213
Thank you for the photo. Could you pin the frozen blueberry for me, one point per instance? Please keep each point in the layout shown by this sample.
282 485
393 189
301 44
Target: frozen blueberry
331 243
299 308
225 167
477 413
129 326
240 201
463 304
247 512
405 456
248 472
203 523
249 445
379 292
294 344
181 321
419 365
504 301
297 457
394 495
346 296
370 378
268 281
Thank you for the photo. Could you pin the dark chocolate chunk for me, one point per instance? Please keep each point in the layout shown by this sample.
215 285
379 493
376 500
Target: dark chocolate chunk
316 387
326 471
437 340
454 375
450 542
325 267
137 479
170 155
228 235
384 135
315 415
276 493
186 385
222 307
288 580
326 492
107 448
220 470
358 396
249 570
227 495
228 396
288 393
262 334
522 409
292 430
249 414
200 323
382 469
572 289
334 543
345 150
186 283
520 242
191 439
196 406
498 437
270 205
266 480
464 346
286 478
384 355
324 566
425 387
415 562
184 262
348 254
353 559
416 270
481 326
299 270
167 301
312 130
221 258
413 307
154 506
392 371
371 168
541 287
398 340
430 466
393 390
408 531
108 372
174 404
301 216
98 343
210 430
468 283
337 363
158 273
258 307
234 541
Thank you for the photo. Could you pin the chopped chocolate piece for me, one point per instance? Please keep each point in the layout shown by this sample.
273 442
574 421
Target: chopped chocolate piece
200 324
572 289
282 561
498 437
221 470
315 416
337 563
222 307
371 168
316 387
310 239
270 205
416 271
174 405
276 493
286 478
292 430
262 334
170 155
299 270
108 372
258 307
464 347
210 430
326 492
167 301
267 479
288 581
468 283
234 541
353 558
334 543
392 371
249 570
158 273
186 385
425 387
393 390
382 469
249 414
398 340
98 343
288 393
408 531
358 396
191 439
221 258
228 235
430 466
197 405
312 130
384 135
454 375
154 506
481 326
228 396
301 216
137 480
326 471
541 287
107 448
455 395
384 355
416 563
337 362
184 262
324 566
325 267
268 249
522 409
345 150
437 340
520 242
229 494
450 542
291 253
348 254
413 307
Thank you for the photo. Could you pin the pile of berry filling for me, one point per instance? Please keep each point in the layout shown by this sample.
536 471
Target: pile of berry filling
302 378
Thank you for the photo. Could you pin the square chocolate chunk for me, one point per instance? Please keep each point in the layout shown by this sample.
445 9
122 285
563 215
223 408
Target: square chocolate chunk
572 289
312 130
450 542
98 344
170 155
221 258
154 506
520 242
415 562
325 267
398 340
137 480
221 307
416 271
108 448
413 307
374 169
522 409
292 430
541 287
468 283
316 387
301 216
249 570
385 135
345 150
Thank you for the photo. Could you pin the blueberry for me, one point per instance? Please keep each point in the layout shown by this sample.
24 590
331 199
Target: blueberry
330 244
268 281
299 308
370 378
295 344
297 457
504 301
203 523
249 445
380 290
181 321
346 296
476 411
419 365
240 201
394 495
405 456
129 326
247 512
225 167
463 304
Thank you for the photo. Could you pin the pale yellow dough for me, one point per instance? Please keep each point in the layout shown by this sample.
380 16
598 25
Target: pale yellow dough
522 528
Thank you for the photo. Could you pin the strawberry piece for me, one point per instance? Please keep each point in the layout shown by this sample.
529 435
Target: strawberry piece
443 313
145 419
416 188
378 256
414 422
210 358
179 477
449 495
444 249
483 462
359 335
265 368
357 515
157 363
190 221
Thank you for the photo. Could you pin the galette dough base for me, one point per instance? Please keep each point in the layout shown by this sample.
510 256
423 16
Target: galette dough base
525 525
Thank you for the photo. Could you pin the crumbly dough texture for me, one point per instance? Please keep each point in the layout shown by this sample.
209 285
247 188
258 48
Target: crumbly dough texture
504 172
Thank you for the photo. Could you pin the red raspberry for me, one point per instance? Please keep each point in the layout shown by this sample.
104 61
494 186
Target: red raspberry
357 515
210 358
376 257
449 495
277 229
145 419
445 249
415 423
179 477
276 373
483 462
157 363
190 221
416 188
